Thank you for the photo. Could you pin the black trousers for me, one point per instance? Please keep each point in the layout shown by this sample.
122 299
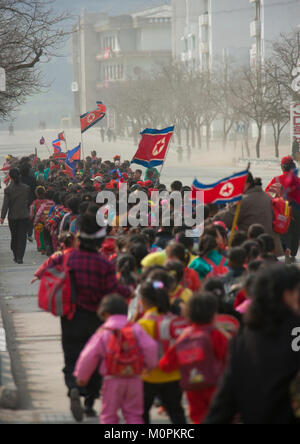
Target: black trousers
170 395
18 229
75 335
48 242
30 228
291 238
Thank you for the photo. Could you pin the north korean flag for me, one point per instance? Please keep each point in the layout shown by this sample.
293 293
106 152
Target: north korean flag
91 118
70 167
153 147
74 154
57 146
225 191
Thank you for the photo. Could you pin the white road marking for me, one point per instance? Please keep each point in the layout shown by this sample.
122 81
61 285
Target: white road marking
2 340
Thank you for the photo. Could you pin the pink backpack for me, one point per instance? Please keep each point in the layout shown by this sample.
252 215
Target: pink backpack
216 270
199 366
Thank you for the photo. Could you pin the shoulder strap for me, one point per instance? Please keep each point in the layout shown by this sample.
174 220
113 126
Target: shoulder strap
179 293
223 261
210 262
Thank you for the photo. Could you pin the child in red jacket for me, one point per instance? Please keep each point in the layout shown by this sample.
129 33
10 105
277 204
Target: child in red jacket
200 354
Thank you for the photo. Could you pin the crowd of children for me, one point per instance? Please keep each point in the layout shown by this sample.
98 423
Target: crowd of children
165 326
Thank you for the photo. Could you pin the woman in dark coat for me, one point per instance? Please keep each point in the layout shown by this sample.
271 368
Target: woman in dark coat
16 204
263 359
94 278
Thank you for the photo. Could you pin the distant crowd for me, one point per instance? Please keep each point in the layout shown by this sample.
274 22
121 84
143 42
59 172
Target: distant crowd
158 313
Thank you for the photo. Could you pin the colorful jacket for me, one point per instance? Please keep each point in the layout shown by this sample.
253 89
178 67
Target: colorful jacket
93 355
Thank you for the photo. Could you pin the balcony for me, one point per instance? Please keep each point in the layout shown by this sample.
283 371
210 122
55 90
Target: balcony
204 20
255 28
204 48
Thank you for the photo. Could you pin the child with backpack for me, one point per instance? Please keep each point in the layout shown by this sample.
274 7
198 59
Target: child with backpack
200 355
165 328
179 295
121 351
66 246
40 194
210 263
41 217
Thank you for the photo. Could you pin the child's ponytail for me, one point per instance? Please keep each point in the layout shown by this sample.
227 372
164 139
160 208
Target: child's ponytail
155 293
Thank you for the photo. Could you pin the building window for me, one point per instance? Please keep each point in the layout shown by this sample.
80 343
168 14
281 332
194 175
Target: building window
186 45
193 42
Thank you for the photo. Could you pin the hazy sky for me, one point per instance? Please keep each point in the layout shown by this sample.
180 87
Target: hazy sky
57 103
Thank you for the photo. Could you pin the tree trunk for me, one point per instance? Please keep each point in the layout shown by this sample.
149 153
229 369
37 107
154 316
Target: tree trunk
187 136
258 142
276 135
178 132
246 138
277 140
193 137
199 137
208 136
225 135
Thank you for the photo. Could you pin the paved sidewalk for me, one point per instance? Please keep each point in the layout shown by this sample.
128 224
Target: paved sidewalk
33 339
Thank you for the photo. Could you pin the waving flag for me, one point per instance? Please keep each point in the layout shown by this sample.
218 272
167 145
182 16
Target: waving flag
58 154
153 147
74 154
57 146
89 119
227 190
61 136
70 167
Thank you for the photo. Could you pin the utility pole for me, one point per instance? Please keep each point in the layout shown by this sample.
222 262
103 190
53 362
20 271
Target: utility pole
258 19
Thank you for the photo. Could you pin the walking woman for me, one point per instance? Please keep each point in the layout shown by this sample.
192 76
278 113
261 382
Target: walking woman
93 277
16 205
263 362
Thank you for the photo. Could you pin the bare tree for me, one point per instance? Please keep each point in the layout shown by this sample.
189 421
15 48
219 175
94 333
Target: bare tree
30 34
279 110
285 61
254 99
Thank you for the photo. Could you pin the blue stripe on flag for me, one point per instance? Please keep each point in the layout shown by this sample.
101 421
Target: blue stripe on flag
155 132
146 164
202 186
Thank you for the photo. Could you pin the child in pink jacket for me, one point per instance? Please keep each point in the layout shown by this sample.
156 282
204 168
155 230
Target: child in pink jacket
124 392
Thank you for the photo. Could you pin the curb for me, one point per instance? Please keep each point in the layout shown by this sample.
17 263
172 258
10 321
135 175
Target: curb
8 389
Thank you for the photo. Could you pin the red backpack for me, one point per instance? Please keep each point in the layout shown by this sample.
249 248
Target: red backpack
124 357
199 366
57 293
168 328
216 270
282 215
